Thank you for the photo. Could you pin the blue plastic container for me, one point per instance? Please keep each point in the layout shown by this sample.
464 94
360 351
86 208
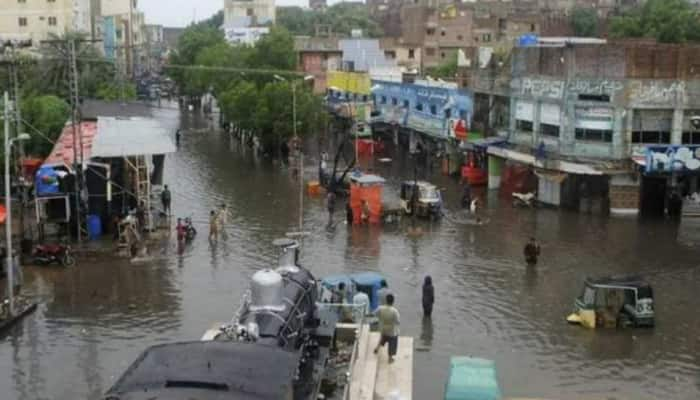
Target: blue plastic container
472 379
94 226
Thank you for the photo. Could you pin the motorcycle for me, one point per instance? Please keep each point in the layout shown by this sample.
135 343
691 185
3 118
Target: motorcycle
45 254
523 199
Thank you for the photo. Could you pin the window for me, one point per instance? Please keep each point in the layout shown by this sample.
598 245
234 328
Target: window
394 101
51 1
521 125
594 97
411 54
448 113
21 1
691 137
460 37
433 109
430 31
549 130
532 27
52 21
652 126
594 135
419 107
486 37
442 54
660 137
406 104
442 33
383 99
22 21
249 12
430 52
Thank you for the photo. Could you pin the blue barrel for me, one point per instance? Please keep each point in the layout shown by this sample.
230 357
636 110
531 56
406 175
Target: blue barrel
94 226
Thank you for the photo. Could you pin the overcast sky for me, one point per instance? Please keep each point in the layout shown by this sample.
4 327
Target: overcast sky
181 12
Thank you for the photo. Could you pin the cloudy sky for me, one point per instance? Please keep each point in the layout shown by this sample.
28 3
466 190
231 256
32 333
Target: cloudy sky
181 12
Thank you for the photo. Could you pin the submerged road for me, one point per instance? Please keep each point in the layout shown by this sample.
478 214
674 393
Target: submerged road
97 317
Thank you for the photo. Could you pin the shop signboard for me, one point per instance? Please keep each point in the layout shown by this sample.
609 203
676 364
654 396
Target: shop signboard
672 159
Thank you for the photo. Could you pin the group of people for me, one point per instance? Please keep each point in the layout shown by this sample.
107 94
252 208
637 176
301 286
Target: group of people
387 314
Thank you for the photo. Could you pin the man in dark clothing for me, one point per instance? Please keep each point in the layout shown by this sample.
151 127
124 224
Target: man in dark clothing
330 204
177 138
348 213
466 194
165 199
428 296
532 251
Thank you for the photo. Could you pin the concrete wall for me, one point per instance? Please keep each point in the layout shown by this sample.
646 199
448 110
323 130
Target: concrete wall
38 14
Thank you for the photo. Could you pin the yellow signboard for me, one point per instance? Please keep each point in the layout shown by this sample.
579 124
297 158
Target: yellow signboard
352 82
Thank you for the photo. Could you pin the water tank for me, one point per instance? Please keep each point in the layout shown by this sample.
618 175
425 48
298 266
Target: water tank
266 291
94 226
289 255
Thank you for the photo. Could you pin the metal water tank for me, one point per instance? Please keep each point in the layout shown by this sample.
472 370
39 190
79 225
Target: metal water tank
289 255
266 291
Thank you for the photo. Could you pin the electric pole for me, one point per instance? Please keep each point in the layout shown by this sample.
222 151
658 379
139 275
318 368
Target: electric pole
78 161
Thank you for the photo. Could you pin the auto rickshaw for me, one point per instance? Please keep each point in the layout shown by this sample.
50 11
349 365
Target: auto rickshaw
614 302
421 197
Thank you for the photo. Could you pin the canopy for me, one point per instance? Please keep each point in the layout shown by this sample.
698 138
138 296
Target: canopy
472 379
209 370
126 137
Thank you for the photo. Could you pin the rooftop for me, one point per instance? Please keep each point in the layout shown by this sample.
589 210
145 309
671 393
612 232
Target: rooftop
92 109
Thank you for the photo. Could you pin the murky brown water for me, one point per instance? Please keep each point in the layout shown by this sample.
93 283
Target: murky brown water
97 317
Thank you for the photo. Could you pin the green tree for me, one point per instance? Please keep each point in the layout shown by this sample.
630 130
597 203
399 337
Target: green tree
584 22
194 40
274 51
48 114
446 70
341 17
116 91
668 21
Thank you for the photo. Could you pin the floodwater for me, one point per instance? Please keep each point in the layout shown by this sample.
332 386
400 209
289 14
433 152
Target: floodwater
95 318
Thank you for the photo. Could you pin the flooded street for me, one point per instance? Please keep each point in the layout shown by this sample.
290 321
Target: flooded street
95 318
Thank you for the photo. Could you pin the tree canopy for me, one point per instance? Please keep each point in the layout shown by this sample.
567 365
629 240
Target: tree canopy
584 22
258 96
668 21
47 114
341 17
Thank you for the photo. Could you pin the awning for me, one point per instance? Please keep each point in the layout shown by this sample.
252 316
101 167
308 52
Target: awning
125 137
482 143
552 165
62 153
3 214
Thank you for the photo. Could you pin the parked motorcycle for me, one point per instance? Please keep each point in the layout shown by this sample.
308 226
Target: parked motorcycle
45 254
523 199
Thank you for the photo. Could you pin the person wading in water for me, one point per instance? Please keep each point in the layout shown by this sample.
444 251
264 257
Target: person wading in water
532 252
428 297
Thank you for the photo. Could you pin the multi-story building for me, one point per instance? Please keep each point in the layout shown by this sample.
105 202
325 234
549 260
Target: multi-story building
155 47
249 13
318 56
318 5
122 34
38 19
589 117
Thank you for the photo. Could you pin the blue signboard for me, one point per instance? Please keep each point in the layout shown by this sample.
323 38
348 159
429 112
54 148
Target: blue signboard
432 110
677 159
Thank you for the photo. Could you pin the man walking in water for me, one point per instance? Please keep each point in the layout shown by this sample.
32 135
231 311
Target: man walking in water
330 204
213 226
165 199
532 252
388 317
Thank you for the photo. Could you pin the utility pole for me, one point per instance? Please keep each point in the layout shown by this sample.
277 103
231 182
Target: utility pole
8 205
77 138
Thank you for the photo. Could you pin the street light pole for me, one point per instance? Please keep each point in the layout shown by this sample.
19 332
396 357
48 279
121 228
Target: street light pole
8 213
